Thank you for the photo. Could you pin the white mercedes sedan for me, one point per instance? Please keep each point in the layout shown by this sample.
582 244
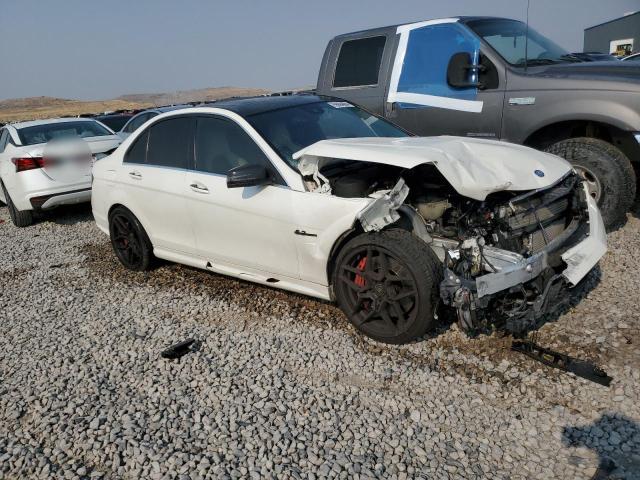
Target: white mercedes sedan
316 196
47 163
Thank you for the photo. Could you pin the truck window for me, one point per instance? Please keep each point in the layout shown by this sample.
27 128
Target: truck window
359 62
429 50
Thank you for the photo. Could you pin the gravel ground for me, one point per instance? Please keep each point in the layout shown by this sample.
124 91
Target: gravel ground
281 385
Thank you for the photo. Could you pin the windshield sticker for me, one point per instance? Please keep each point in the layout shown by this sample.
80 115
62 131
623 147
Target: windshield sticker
340 104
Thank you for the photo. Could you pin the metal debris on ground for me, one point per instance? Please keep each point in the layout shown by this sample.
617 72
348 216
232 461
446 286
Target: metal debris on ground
580 368
178 350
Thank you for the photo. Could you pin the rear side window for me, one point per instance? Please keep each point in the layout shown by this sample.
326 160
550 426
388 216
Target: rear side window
137 153
359 62
222 145
170 143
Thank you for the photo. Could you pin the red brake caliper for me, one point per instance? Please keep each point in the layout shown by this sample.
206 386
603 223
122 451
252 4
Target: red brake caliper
359 280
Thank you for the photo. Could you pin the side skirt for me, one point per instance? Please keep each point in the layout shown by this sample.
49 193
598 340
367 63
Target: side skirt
248 274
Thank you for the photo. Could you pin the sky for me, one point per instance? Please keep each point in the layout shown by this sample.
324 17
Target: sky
101 49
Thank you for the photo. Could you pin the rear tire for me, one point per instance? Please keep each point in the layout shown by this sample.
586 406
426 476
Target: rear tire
387 283
606 169
20 218
129 240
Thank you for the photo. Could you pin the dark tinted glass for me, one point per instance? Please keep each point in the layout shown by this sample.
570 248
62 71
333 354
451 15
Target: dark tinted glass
359 62
137 153
170 142
115 122
288 130
44 133
222 145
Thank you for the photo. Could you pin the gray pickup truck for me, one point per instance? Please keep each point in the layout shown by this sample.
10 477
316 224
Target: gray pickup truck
487 77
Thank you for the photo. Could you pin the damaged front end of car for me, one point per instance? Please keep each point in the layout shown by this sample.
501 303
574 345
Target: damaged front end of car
520 257
509 252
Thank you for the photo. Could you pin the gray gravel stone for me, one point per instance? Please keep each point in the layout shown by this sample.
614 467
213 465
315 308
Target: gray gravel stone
281 386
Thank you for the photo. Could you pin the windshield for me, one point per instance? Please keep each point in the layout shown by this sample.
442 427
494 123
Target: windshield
291 129
508 37
45 133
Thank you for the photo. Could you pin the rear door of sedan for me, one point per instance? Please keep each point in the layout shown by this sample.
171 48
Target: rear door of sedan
154 172
248 227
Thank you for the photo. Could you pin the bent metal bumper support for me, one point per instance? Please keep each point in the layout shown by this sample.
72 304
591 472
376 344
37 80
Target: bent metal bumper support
467 295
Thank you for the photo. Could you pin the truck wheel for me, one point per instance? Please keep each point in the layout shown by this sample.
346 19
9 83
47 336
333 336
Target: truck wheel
129 240
387 283
20 218
607 172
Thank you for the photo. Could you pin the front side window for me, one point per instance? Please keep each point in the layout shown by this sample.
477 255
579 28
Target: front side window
288 130
359 62
509 39
429 50
56 131
222 144
170 143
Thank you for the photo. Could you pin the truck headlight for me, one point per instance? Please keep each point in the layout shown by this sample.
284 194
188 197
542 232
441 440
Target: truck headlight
637 135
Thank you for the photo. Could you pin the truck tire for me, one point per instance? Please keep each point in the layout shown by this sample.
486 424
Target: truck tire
387 283
20 218
608 173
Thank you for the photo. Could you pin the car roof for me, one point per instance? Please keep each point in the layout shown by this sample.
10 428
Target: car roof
48 121
168 108
112 115
254 105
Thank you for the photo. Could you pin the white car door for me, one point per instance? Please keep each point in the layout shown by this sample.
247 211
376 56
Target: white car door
153 174
249 227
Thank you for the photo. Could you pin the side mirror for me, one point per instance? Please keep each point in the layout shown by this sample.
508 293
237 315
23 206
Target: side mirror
460 69
248 176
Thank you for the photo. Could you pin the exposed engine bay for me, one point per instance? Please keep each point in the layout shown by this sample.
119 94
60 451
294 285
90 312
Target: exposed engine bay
502 256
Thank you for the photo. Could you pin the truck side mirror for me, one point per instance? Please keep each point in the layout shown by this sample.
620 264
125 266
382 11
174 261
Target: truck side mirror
459 70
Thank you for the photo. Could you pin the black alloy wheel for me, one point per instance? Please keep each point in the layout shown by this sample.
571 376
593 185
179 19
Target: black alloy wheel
387 284
129 240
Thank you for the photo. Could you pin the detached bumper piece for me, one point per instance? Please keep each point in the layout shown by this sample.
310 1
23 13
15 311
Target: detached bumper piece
580 368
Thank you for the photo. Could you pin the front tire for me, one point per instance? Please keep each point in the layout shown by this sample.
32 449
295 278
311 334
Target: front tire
387 284
20 218
129 240
607 172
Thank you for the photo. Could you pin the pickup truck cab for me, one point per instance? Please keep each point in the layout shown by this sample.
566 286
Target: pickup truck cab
494 78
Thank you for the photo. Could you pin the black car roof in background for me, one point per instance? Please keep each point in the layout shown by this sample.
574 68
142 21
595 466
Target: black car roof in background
246 107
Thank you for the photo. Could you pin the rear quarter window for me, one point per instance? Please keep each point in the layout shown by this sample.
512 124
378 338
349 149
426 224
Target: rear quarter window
137 152
359 62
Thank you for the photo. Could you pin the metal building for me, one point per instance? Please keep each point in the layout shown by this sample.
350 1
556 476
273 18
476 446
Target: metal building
620 36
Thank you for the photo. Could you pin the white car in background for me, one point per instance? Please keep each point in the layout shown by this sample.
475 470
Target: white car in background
317 196
33 179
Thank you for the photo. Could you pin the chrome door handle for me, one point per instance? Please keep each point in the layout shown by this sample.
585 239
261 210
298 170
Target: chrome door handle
199 188
136 175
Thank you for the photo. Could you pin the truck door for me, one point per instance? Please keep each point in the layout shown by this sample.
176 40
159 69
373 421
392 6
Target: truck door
353 69
420 97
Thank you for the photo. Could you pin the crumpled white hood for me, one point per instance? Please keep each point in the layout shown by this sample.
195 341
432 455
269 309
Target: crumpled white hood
474 167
